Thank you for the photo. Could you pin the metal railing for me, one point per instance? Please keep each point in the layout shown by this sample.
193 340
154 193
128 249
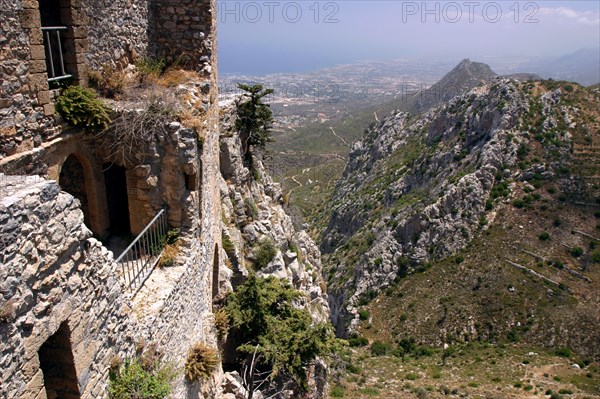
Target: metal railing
54 52
141 256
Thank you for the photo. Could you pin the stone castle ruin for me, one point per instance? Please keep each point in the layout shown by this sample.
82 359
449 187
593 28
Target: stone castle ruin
70 306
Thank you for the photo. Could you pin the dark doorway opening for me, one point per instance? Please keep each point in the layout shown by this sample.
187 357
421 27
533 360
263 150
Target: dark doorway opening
50 12
58 366
215 273
72 180
116 197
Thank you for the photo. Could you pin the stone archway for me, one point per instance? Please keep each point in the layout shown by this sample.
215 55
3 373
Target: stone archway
58 366
72 180
80 176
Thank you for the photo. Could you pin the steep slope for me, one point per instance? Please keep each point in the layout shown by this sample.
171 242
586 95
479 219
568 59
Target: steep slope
417 191
462 78
253 218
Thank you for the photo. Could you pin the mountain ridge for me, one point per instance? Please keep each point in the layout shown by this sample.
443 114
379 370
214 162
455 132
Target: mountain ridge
417 190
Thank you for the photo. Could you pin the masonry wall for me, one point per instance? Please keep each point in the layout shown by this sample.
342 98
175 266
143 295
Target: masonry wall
102 33
181 30
25 107
53 273
117 31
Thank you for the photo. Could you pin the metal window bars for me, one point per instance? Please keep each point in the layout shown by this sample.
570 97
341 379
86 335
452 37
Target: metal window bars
53 43
141 256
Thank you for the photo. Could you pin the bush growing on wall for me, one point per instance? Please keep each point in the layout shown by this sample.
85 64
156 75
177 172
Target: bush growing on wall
133 381
80 107
202 360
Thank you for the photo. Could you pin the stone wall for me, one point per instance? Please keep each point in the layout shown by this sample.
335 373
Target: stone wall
53 272
58 285
102 33
55 275
117 31
181 29
24 98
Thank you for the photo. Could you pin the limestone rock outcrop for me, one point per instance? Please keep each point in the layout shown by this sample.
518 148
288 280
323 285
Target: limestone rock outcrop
418 188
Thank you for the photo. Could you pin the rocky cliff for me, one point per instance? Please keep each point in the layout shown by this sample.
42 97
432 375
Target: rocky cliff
252 214
420 189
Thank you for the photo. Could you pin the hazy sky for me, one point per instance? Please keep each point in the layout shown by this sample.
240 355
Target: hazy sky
257 37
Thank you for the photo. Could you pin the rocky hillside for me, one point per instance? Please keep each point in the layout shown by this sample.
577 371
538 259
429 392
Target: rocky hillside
252 214
253 218
515 162
463 77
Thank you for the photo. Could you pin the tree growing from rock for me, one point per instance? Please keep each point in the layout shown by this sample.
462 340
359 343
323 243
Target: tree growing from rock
254 118
276 338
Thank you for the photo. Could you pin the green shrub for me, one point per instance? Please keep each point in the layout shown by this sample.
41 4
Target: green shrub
576 251
80 107
363 314
596 256
356 340
563 352
380 348
423 351
202 360
518 203
351 368
221 323
265 323
337 391
228 245
513 336
264 254
251 208
132 381
151 66
370 391
545 236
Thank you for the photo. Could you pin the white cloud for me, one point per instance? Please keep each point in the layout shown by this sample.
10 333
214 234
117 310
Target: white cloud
583 17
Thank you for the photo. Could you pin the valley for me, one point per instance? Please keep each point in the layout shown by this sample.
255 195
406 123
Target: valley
460 240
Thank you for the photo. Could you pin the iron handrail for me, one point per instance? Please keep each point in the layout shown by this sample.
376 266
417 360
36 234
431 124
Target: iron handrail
140 258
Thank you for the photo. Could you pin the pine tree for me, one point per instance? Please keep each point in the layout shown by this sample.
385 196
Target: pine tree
254 118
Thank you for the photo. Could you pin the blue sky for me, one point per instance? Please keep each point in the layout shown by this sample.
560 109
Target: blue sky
257 37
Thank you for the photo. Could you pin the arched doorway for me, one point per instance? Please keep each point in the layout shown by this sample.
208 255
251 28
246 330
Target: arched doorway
72 180
58 365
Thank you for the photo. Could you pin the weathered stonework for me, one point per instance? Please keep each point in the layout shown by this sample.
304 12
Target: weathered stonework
100 34
180 31
55 273
23 87
61 289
